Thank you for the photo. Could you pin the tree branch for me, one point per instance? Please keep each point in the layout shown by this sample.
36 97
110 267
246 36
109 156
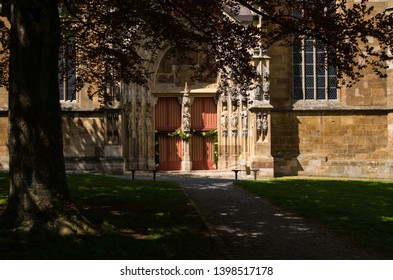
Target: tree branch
72 13
193 24
5 8
304 31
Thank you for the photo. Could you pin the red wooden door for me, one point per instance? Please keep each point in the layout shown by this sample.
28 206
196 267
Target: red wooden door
203 114
168 119
202 153
170 153
203 118
168 114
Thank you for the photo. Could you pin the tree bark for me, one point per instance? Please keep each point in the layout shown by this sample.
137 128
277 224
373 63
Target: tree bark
39 196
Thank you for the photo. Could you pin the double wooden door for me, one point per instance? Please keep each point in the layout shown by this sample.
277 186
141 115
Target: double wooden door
168 119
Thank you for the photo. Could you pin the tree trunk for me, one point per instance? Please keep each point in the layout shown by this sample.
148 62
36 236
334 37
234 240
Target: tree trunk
39 197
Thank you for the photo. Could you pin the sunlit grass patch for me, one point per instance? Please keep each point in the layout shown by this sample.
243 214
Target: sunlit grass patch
386 219
360 210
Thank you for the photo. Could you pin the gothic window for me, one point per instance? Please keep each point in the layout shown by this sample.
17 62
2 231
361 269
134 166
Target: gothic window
113 127
67 70
115 91
313 78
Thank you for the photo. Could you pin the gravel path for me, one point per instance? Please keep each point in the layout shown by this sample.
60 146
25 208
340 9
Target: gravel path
251 228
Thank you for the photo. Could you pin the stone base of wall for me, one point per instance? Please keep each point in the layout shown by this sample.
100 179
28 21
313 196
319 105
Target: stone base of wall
286 166
88 164
360 169
113 162
265 165
114 165
322 167
108 165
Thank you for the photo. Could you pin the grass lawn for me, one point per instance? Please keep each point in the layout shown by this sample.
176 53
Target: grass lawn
153 220
359 210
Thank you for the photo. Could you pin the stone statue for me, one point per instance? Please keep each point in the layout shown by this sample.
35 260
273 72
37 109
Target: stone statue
259 124
149 126
186 120
224 119
266 86
265 126
258 93
244 115
234 122
139 118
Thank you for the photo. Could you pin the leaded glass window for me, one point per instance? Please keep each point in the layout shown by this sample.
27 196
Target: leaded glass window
313 78
67 70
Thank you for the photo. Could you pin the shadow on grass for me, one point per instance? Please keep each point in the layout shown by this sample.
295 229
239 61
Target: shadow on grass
140 220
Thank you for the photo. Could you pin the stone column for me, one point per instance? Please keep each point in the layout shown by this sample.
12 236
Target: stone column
234 136
223 132
150 137
260 138
242 135
127 139
186 128
261 157
141 135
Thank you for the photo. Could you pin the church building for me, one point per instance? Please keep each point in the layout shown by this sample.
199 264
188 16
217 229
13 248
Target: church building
295 121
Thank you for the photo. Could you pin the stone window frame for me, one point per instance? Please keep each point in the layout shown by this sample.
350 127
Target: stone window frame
312 80
67 83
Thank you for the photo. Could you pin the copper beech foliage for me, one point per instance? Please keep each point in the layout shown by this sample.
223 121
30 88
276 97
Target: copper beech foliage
354 34
117 40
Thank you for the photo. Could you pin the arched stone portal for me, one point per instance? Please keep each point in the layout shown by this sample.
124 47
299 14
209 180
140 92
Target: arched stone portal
182 123
185 115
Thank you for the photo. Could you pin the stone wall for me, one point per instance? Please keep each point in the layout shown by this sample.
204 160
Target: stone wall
332 143
281 76
83 136
91 143
348 137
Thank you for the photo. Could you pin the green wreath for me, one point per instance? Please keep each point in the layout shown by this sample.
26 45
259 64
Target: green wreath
181 134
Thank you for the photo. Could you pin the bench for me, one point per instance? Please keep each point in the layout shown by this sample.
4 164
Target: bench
151 170
238 170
